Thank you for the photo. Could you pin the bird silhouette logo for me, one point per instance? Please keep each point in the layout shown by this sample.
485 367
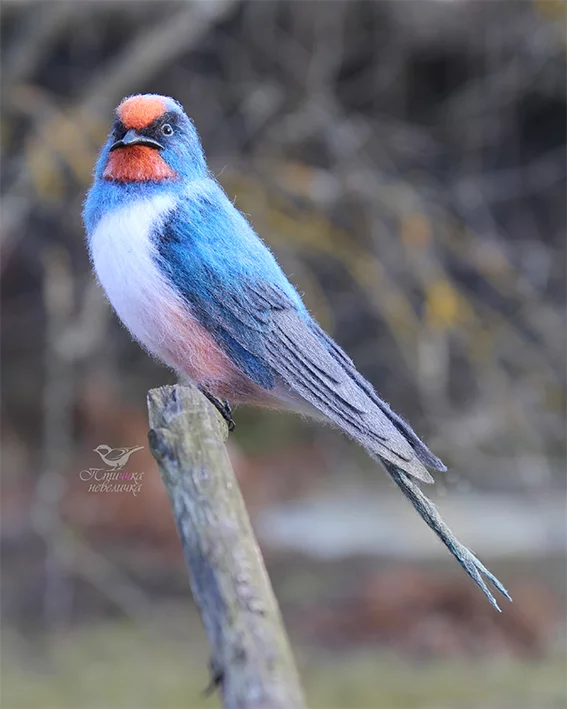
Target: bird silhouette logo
115 458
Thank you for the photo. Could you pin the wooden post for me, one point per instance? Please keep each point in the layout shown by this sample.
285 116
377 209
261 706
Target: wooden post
251 658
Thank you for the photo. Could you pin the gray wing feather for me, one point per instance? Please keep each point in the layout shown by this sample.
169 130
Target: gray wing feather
313 366
322 373
299 356
421 450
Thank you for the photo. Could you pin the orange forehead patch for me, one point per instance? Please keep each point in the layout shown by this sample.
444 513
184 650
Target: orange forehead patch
139 111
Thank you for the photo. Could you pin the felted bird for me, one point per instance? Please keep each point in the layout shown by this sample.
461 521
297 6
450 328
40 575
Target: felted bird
115 458
200 291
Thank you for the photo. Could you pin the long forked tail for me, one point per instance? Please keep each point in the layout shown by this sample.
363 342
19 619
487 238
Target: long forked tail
474 568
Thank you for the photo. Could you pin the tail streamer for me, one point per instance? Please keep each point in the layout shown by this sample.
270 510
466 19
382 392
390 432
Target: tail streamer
428 511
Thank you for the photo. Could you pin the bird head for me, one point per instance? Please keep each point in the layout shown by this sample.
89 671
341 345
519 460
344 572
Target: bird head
152 140
102 449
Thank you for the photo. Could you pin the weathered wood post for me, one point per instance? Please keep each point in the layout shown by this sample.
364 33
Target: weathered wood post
251 657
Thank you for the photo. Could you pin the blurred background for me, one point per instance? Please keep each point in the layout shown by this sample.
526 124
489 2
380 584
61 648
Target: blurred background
406 163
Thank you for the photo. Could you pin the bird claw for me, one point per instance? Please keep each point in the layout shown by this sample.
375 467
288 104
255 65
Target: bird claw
226 412
216 679
223 407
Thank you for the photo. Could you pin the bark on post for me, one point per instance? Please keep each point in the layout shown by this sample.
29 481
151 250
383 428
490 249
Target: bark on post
251 656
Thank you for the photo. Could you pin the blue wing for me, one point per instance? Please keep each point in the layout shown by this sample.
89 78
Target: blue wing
214 258
240 294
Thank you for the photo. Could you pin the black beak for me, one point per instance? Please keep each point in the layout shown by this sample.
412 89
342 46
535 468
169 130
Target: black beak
133 138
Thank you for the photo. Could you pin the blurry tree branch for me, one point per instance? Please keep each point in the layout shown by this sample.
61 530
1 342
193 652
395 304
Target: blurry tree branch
405 160
69 338
144 56
251 658
149 52
58 395
28 48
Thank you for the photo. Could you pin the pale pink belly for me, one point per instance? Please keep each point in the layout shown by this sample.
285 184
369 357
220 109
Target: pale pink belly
186 346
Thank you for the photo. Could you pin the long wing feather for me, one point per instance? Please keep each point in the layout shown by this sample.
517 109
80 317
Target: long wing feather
323 384
421 450
267 332
305 364
265 329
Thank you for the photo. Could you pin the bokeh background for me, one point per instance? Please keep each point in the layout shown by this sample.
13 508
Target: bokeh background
406 163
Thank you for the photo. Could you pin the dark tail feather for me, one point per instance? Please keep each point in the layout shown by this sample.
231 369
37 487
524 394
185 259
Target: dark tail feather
474 568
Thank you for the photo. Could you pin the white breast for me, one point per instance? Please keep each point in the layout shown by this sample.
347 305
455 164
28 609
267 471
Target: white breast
121 250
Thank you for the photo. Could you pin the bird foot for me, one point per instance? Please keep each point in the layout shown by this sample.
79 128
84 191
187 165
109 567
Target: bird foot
216 678
223 407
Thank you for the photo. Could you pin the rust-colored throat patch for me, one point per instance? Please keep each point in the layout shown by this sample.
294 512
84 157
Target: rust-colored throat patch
137 163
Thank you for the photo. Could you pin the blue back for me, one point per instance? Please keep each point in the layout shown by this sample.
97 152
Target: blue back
218 263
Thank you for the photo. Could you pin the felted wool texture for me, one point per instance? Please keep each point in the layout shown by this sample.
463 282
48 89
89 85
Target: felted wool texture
197 287
140 110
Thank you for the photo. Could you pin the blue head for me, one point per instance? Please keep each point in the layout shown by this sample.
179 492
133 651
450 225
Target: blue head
153 145
152 139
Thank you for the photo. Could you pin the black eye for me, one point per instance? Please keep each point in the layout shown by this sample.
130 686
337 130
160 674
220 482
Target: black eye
166 129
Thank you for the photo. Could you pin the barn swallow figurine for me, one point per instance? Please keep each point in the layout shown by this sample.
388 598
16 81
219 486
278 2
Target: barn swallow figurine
200 291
